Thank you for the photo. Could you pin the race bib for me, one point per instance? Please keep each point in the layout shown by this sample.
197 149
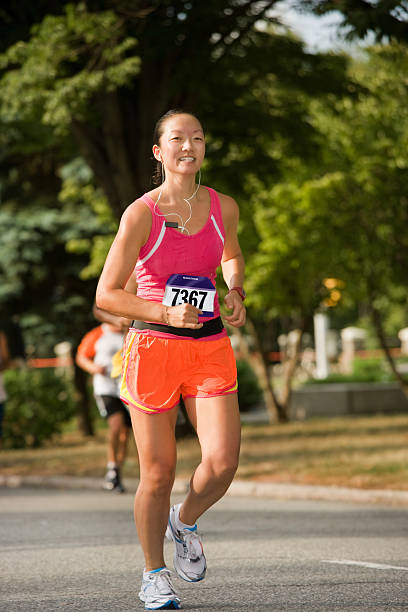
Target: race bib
196 290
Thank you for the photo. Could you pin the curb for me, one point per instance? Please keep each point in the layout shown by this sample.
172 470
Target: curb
286 491
281 491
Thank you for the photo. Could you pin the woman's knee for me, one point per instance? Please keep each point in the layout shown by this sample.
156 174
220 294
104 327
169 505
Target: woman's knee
158 479
223 467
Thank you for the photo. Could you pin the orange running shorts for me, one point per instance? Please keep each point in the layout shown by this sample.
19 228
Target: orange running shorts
157 370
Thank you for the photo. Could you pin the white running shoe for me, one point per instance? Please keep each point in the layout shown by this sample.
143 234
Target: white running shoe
157 592
189 559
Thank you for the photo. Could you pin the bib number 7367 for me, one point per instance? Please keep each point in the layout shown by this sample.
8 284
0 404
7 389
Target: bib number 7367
196 290
196 298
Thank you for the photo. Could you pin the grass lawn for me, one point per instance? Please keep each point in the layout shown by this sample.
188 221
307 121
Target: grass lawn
367 452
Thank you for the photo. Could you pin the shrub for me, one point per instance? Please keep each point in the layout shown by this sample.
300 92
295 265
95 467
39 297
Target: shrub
39 402
249 391
373 369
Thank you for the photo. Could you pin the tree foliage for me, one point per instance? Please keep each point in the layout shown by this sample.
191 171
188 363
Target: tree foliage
384 18
366 142
41 264
104 72
88 80
342 217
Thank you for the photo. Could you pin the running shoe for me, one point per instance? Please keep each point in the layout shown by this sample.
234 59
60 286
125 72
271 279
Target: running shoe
157 592
189 560
112 481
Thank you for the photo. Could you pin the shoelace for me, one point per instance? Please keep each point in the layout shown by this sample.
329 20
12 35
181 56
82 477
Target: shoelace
162 581
192 546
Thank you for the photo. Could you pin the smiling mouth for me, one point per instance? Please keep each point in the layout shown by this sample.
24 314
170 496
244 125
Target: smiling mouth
188 159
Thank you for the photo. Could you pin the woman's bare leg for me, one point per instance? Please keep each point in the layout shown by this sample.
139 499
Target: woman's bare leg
218 426
156 445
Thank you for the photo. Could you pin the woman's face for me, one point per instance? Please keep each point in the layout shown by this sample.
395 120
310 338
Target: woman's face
182 145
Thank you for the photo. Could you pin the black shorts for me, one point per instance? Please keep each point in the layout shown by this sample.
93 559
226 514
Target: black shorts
108 405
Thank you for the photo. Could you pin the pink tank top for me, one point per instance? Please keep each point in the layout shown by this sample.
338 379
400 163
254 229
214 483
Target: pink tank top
168 251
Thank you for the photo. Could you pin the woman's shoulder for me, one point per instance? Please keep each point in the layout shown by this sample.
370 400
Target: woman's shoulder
229 207
137 211
225 200
136 221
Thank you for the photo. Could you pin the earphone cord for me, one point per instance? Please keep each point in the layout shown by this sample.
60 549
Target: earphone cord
182 227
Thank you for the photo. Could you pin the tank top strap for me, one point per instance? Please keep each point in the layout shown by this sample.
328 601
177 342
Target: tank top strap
216 213
150 204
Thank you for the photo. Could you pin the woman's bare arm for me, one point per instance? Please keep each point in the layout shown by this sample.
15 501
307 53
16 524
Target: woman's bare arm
232 262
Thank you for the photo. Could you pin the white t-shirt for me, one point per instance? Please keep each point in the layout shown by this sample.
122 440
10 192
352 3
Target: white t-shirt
101 344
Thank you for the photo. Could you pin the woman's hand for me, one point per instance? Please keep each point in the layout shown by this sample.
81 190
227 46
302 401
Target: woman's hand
234 302
184 315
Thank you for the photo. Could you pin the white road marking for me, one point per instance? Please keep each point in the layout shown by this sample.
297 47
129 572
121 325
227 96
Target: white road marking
382 566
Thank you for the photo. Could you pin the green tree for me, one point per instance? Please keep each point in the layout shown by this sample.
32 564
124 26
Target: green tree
366 140
383 18
341 215
43 251
295 252
105 72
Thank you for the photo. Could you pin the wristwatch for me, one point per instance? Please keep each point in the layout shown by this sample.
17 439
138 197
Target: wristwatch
240 291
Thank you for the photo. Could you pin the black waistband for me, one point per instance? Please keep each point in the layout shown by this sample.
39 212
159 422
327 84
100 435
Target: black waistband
209 328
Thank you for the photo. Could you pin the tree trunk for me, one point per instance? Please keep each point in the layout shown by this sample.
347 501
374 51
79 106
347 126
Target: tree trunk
261 369
104 162
119 149
289 368
377 320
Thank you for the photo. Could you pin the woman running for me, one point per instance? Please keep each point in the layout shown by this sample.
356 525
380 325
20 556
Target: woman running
173 238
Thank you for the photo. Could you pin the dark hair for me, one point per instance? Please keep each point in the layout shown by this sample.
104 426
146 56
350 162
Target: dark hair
157 134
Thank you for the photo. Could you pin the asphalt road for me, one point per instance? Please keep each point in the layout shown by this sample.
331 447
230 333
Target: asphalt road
78 550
